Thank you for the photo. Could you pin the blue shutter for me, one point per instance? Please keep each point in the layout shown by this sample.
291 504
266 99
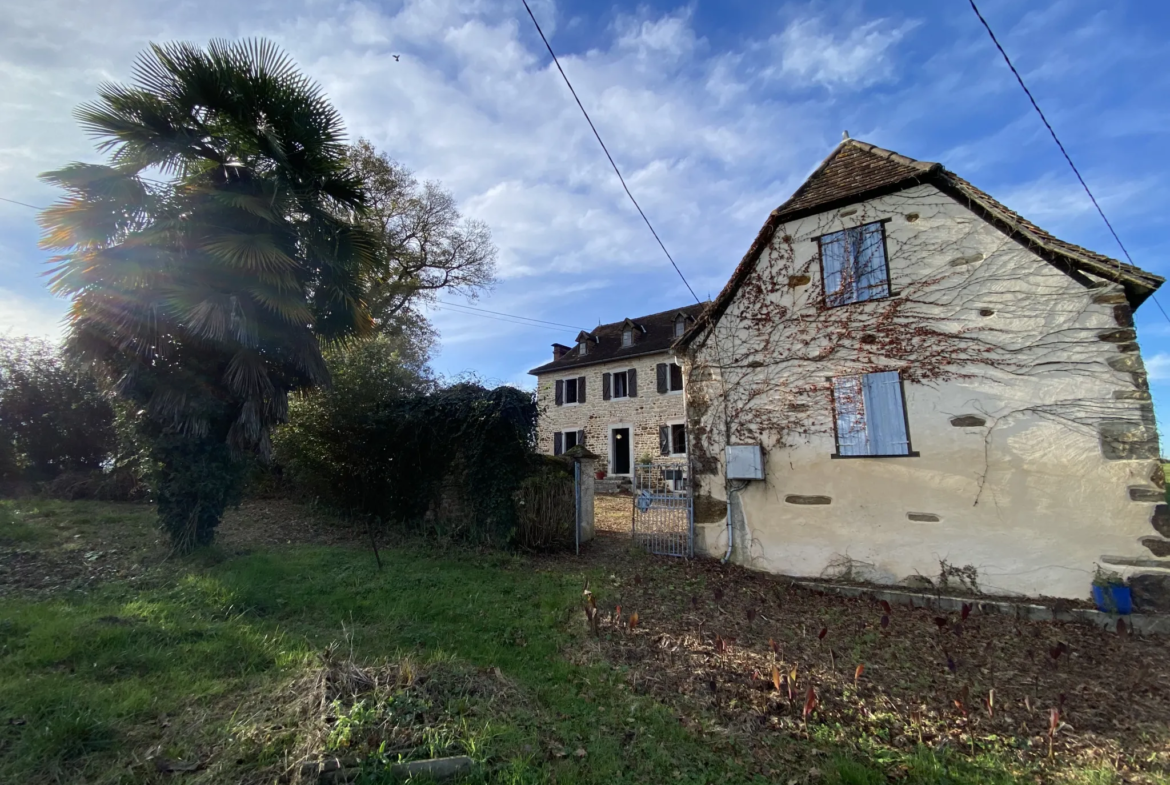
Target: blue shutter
854 263
849 402
833 262
869 261
884 414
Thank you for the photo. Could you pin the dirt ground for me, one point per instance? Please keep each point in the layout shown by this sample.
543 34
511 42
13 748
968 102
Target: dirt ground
760 653
611 515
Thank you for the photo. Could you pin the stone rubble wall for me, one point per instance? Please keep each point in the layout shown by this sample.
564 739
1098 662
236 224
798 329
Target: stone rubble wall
644 413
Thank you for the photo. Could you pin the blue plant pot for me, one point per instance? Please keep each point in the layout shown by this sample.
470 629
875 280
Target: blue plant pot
1113 599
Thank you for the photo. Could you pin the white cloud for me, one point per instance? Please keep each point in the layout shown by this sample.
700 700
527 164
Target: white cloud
857 57
1158 367
20 315
710 136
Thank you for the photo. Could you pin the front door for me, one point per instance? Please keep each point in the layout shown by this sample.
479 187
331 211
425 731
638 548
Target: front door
620 450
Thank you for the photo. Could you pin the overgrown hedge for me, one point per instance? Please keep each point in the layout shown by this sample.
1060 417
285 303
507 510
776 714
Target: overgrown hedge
449 460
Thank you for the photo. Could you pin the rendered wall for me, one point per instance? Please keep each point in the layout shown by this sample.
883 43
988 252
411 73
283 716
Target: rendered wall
1032 467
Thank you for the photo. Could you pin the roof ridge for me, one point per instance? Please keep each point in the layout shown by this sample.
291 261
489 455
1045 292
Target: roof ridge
891 155
637 319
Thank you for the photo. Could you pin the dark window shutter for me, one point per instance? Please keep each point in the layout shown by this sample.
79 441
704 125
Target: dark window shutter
580 389
664 440
605 386
632 382
581 438
660 370
558 443
560 392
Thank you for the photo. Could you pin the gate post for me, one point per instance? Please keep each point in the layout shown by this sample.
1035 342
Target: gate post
584 468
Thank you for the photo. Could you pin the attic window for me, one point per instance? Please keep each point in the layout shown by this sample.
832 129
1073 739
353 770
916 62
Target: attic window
627 338
854 265
680 327
583 348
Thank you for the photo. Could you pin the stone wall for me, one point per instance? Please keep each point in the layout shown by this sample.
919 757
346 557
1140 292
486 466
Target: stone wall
644 414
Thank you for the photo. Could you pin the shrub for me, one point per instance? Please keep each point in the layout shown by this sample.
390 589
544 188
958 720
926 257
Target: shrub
546 508
53 416
449 458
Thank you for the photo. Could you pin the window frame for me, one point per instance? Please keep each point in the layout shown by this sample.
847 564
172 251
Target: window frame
565 439
613 375
680 327
671 425
670 379
885 258
576 393
910 451
627 338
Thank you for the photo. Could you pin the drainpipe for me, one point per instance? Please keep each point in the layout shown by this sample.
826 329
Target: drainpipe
730 535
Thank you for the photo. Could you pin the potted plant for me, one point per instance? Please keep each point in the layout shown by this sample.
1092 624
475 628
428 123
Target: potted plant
599 474
1110 592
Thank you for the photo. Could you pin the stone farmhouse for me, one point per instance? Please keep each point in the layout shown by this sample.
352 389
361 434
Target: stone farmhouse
618 392
928 386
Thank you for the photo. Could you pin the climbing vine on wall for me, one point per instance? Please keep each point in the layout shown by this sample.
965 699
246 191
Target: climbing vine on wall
965 305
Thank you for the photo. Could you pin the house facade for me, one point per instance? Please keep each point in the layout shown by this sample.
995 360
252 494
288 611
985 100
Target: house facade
618 391
937 389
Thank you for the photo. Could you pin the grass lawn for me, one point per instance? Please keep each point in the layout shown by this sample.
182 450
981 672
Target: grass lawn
285 643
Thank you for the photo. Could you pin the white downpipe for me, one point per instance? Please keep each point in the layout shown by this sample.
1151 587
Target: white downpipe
730 534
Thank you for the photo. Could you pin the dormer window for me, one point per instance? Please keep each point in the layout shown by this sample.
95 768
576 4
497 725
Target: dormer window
630 330
680 327
583 339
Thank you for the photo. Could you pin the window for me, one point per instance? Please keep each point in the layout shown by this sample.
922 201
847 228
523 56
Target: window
854 265
680 327
670 377
627 338
582 348
870 415
563 441
571 390
672 439
621 384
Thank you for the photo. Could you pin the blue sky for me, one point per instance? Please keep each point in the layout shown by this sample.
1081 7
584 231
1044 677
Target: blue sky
715 111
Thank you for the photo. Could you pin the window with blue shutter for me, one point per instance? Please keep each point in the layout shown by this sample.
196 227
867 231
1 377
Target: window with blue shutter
853 262
870 415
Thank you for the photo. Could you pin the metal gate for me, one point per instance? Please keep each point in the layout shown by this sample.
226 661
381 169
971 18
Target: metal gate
663 522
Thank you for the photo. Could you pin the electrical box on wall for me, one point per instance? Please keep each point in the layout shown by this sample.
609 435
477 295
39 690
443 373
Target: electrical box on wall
745 462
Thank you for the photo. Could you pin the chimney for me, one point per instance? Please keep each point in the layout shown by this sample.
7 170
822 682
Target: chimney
559 351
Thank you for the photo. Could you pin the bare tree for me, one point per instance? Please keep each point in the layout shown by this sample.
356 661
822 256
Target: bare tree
427 245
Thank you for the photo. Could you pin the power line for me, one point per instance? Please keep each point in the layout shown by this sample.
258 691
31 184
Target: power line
1048 125
22 204
606 150
515 316
481 311
448 306
1064 152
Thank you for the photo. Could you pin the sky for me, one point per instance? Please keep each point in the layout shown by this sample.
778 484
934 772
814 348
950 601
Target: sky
715 111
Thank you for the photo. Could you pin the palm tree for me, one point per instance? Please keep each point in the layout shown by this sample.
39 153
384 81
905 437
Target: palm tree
210 257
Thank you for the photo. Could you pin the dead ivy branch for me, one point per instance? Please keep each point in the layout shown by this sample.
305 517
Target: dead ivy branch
963 309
